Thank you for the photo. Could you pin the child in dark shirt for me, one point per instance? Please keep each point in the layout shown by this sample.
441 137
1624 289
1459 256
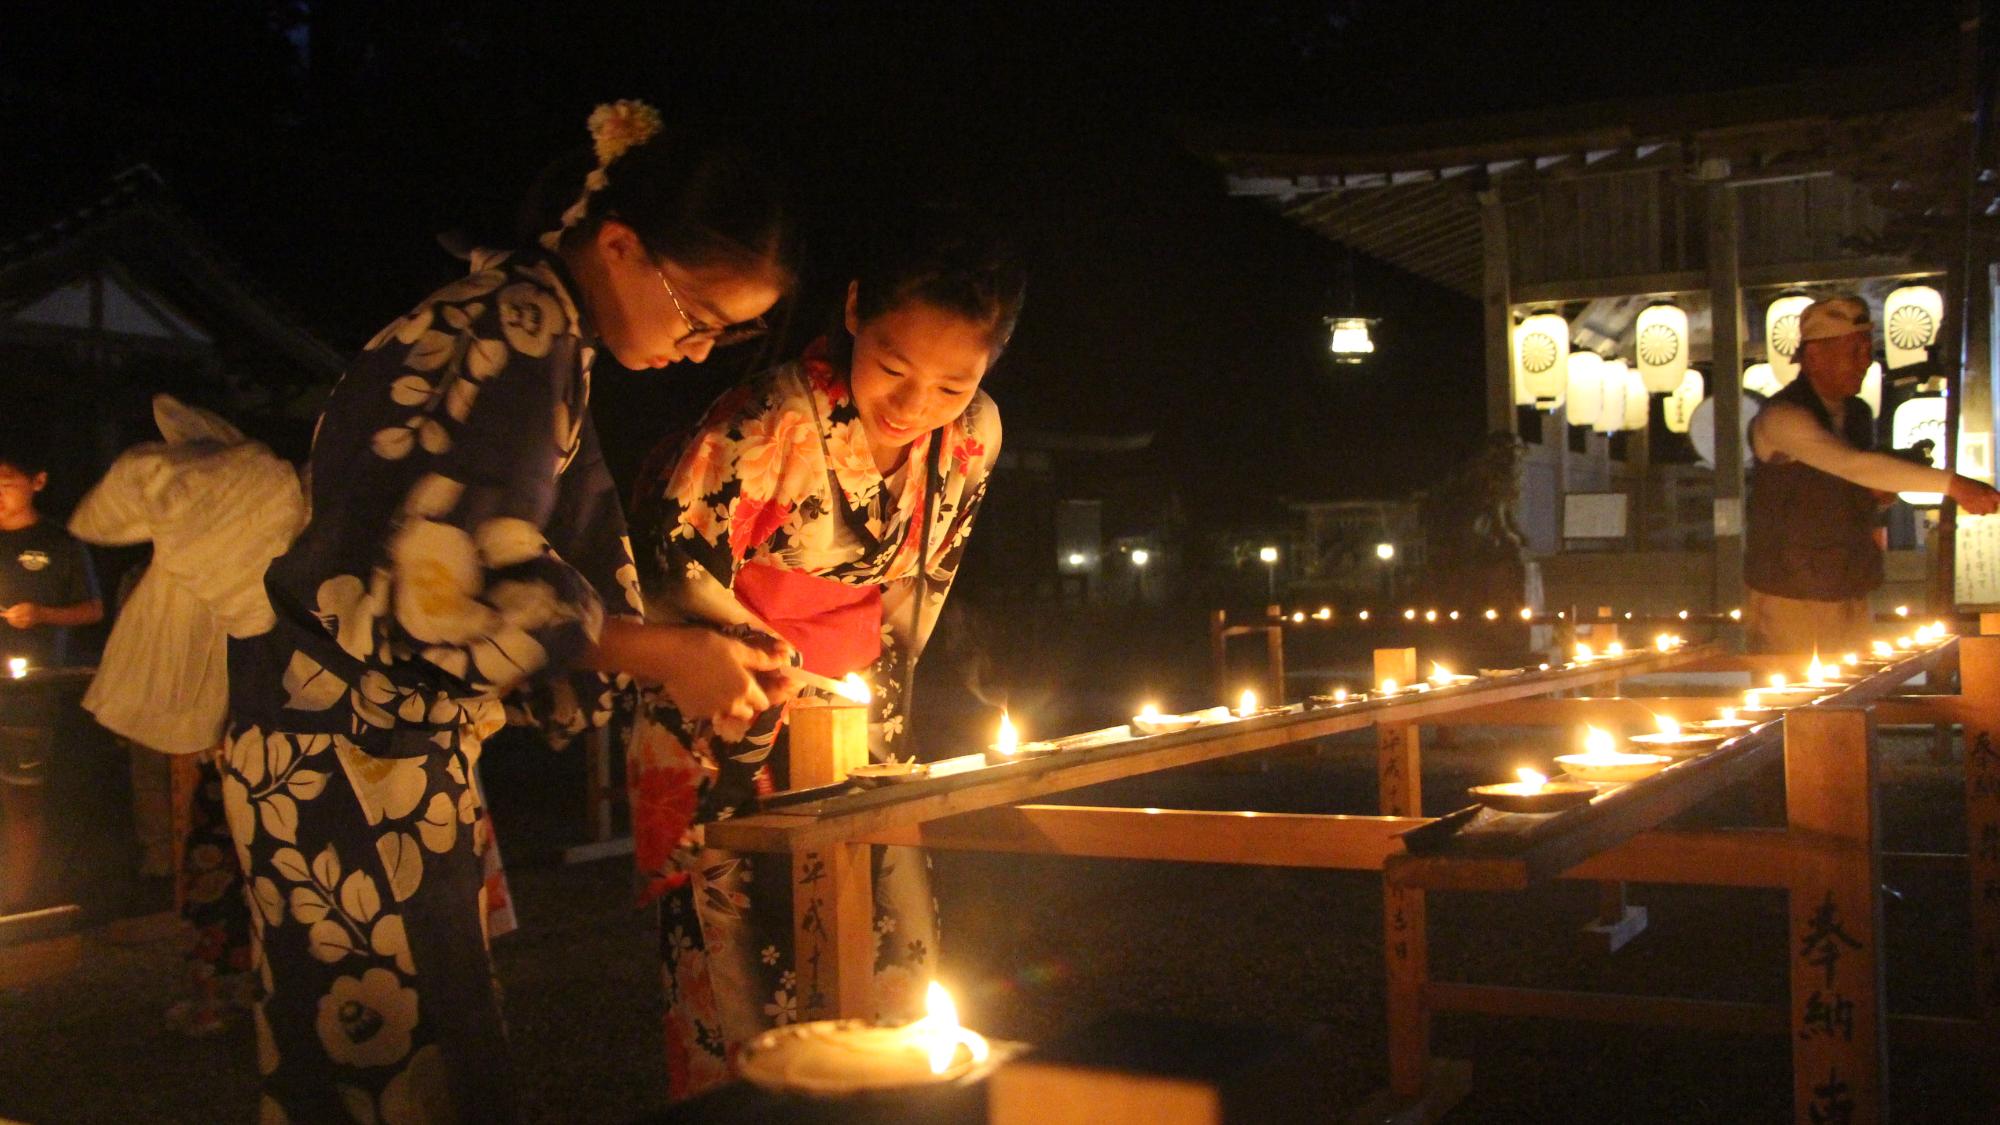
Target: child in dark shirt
46 589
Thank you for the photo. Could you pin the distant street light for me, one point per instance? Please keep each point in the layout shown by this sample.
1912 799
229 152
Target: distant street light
1268 555
1141 556
1076 559
1385 551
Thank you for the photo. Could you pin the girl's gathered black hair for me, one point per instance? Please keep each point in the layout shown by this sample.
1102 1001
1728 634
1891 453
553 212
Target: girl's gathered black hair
948 257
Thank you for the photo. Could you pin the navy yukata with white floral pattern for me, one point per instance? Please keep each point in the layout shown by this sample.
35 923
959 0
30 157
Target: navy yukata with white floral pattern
465 538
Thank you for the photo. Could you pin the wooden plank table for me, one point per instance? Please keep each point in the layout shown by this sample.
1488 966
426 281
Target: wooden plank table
1826 857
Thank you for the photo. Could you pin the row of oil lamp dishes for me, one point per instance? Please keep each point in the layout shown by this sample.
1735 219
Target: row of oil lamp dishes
1526 613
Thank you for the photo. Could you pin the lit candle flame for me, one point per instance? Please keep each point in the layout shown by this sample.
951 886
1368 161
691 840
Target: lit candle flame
1248 703
1325 613
17 666
1729 714
1851 659
1006 741
939 1033
1583 651
1149 712
1905 642
853 687
1430 615
1615 648
1340 695
1388 687
1492 615
1663 642
1532 779
1752 699
1363 615
1299 617
1902 611
1527 614
1736 615
1816 673
1440 675
1409 615
1881 648
1684 615
1598 741
1668 725
1777 679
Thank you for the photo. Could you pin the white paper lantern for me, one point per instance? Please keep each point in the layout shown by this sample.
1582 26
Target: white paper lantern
1679 406
1541 353
1916 420
1701 428
1910 319
1660 344
1758 378
1781 336
1638 401
1871 389
1584 397
1611 408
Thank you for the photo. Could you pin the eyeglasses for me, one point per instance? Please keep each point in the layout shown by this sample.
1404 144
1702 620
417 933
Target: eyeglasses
698 331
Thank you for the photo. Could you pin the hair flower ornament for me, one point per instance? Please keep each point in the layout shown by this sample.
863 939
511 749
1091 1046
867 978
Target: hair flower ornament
616 127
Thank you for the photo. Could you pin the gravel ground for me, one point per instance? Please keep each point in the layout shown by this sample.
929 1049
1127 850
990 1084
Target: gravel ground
1037 946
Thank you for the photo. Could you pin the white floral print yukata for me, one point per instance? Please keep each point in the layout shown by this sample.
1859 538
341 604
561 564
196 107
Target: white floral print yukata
780 473
464 539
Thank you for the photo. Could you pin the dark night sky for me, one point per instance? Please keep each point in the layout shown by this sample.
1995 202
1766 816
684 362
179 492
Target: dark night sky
1157 303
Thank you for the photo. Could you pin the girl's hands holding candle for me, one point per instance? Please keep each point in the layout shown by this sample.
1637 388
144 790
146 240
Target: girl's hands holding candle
706 674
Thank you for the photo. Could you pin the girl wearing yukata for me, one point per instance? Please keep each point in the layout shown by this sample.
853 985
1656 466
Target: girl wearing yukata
827 502
465 540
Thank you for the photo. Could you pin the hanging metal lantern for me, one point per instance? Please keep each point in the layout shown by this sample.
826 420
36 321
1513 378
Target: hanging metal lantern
1781 336
1614 385
1921 419
1348 339
1541 353
1679 406
1871 389
1583 397
1910 319
1758 378
1638 401
1659 343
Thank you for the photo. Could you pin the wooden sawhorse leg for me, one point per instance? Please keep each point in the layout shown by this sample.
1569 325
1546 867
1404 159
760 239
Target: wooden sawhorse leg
1839 1057
833 925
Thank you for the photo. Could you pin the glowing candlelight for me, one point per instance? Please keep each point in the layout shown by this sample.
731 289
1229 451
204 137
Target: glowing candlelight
1532 781
1325 614
1615 648
1388 687
1492 615
1409 615
1598 741
1684 615
1777 680
1440 675
1006 741
1753 700
17 666
1668 725
1431 615
1453 615
1881 648
1736 615
1363 615
1817 673
1527 614
1583 653
1851 659
939 1032
1905 642
1247 704
1728 714
1299 618
854 689
1149 711
1663 642
1902 611
1340 695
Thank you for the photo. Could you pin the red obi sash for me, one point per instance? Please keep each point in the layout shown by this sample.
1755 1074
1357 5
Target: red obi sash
837 628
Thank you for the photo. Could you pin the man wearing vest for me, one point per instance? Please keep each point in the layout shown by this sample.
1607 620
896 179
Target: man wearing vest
1812 556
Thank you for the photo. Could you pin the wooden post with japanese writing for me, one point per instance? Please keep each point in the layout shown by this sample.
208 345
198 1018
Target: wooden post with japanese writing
1839 1055
1979 677
833 925
1405 946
